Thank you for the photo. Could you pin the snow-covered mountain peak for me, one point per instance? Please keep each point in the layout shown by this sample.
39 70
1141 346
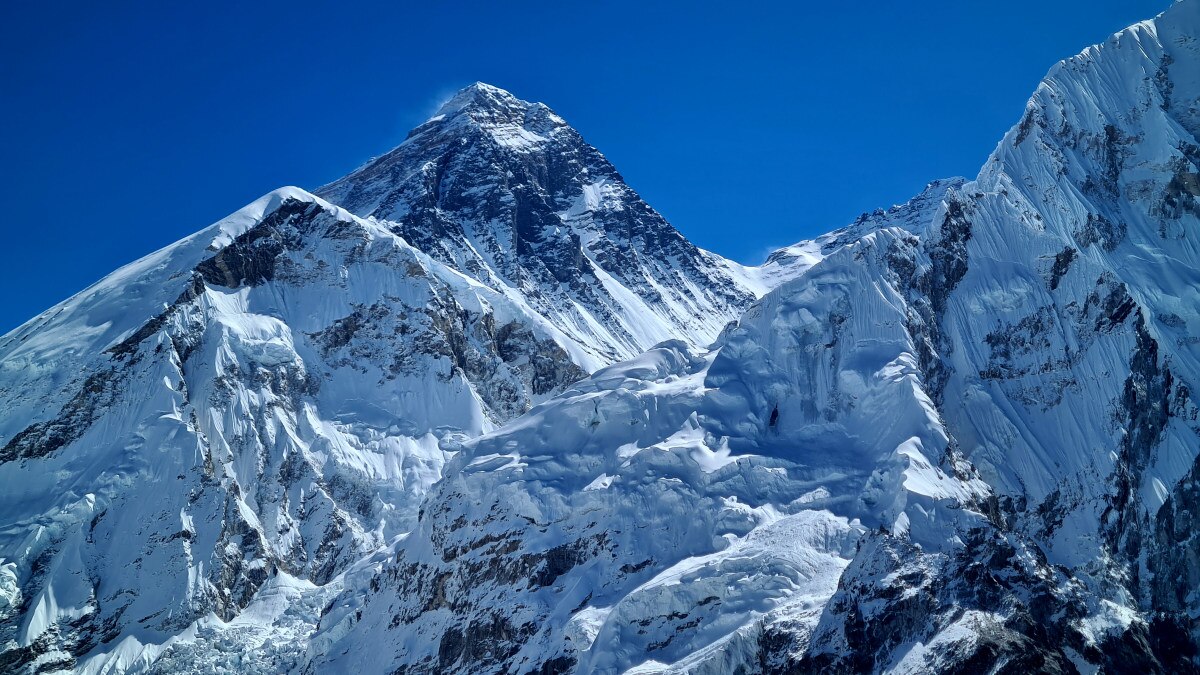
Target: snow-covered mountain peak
300 371
482 98
519 126
509 194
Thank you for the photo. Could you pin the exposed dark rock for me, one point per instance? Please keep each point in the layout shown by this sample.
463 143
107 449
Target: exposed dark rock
1098 229
1062 264
1180 195
129 345
1032 117
41 439
1109 150
929 293
507 365
1174 563
1144 409
250 259
893 594
487 640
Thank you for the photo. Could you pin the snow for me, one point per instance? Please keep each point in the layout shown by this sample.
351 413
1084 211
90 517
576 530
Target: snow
602 482
281 453
823 392
660 431
343 466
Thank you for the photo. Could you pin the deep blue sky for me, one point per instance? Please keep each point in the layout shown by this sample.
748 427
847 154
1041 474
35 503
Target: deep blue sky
749 125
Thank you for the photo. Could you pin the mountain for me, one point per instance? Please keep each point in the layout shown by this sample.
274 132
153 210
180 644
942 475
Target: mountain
963 440
506 192
477 408
267 401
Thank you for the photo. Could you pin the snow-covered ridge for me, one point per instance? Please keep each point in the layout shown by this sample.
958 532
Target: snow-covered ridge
291 376
695 495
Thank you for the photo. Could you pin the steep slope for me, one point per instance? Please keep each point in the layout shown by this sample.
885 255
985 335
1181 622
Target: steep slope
287 403
241 416
1076 390
670 509
297 376
244 414
957 436
979 421
507 192
1066 307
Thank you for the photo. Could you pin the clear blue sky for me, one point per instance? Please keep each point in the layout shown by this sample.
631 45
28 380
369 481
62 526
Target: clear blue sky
749 125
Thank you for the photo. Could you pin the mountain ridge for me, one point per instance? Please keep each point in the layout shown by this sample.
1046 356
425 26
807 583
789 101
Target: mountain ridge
957 433
299 375
1021 517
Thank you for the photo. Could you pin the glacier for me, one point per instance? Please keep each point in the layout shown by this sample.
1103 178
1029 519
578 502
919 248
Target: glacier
476 407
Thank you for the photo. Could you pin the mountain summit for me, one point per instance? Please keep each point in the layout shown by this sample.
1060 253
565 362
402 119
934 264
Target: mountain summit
480 97
508 193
